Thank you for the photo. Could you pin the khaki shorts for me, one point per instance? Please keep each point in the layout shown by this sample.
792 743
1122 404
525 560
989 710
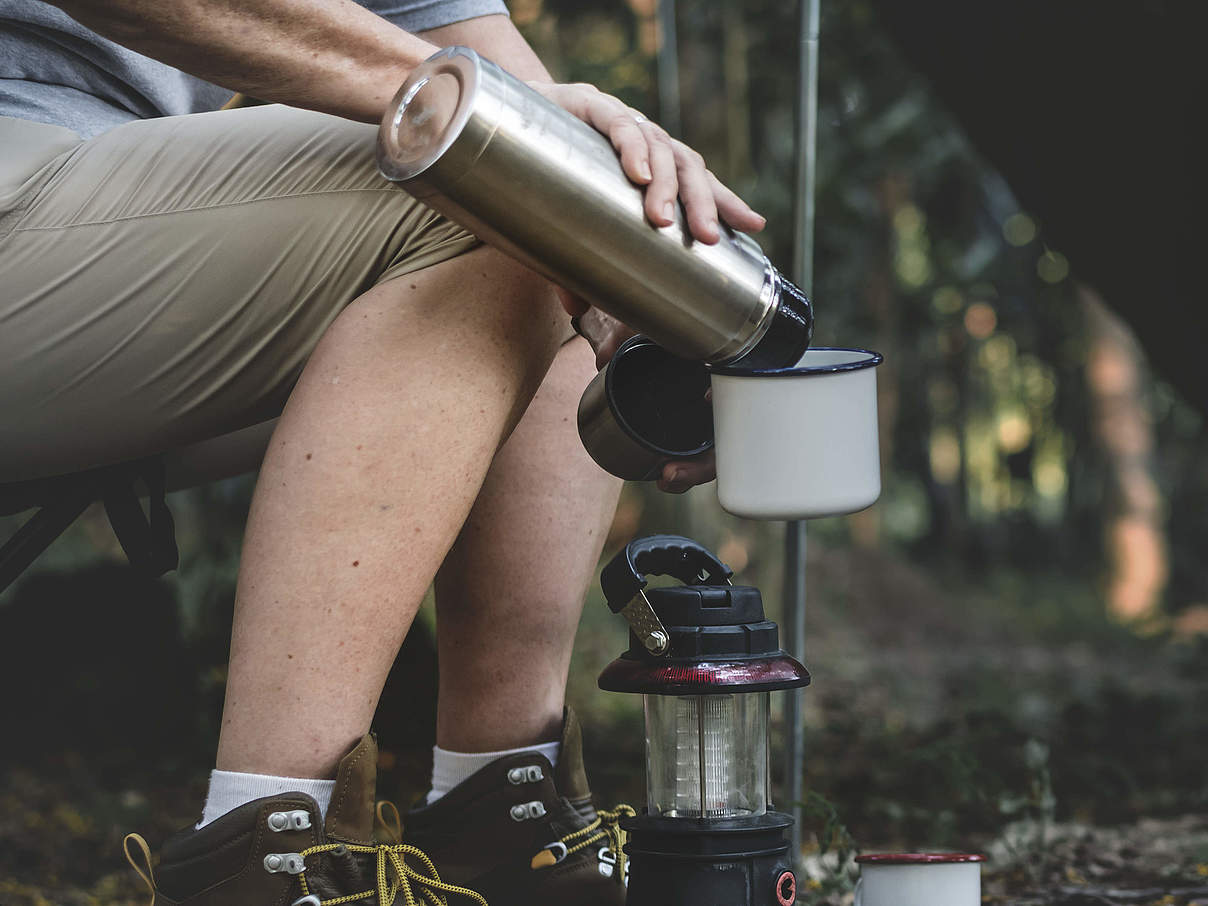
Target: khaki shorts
164 283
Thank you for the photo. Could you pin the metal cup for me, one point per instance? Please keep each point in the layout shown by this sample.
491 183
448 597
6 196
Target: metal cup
646 407
485 150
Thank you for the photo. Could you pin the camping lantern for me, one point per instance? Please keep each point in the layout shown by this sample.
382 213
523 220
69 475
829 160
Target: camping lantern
705 661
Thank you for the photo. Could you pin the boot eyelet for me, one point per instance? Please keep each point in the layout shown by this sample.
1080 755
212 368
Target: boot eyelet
310 900
528 774
525 810
608 861
289 863
298 819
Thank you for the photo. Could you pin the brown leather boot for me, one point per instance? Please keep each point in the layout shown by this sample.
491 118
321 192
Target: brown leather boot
273 852
525 834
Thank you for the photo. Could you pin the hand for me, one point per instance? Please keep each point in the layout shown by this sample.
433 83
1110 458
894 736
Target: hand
665 166
668 169
602 331
681 475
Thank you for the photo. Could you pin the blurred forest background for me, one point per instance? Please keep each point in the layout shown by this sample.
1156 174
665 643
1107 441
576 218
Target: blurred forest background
1010 650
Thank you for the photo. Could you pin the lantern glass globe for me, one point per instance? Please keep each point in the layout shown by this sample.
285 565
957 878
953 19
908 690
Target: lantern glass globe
707 755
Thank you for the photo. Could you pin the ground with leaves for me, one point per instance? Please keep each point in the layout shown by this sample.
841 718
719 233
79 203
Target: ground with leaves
943 715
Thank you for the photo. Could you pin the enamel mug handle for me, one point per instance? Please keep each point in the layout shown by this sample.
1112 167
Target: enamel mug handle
858 895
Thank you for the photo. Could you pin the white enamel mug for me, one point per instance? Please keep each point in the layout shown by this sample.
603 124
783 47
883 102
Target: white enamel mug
919 879
800 442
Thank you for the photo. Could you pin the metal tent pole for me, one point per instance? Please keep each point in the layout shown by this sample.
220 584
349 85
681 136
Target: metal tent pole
668 68
803 271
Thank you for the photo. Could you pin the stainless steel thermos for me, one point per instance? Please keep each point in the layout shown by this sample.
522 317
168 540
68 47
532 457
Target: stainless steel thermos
485 150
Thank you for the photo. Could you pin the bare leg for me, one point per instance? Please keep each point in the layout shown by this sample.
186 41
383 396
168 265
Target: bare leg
376 462
509 595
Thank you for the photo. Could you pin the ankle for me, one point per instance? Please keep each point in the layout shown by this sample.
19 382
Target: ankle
449 769
231 789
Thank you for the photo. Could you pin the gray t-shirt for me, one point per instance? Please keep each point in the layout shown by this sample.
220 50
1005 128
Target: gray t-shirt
54 70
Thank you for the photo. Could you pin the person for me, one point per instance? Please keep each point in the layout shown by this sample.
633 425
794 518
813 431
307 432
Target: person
177 277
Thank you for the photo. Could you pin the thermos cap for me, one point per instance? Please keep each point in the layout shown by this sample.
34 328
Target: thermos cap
429 114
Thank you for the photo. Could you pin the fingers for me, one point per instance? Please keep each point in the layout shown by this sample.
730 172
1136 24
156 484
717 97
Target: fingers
630 142
734 211
670 171
603 332
697 193
646 153
664 185
612 342
679 476
611 117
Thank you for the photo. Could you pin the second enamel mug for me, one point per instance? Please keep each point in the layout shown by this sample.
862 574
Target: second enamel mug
799 442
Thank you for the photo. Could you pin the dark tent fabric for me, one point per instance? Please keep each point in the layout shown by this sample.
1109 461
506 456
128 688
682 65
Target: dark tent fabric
1093 112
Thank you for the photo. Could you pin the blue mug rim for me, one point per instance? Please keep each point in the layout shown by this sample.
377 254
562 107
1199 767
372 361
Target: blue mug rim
872 360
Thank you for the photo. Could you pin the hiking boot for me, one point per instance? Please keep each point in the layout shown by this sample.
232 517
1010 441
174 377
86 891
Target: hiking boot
275 852
522 833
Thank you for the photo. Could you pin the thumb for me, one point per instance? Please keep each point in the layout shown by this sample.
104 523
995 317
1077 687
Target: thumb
574 305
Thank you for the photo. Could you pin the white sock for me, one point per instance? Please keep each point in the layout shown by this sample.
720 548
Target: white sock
451 768
231 789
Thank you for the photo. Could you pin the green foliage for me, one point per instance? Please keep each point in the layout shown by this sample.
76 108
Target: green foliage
1103 760
923 253
993 479
821 817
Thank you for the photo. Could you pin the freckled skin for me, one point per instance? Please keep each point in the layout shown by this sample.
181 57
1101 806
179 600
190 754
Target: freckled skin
506 499
479 351
510 593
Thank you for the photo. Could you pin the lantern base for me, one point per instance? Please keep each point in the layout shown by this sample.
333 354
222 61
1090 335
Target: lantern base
710 862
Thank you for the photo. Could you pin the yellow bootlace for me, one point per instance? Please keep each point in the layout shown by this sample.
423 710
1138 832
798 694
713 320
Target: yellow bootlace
606 827
143 870
394 875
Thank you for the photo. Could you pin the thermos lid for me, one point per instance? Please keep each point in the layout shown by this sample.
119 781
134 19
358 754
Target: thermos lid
428 116
645 408
659 399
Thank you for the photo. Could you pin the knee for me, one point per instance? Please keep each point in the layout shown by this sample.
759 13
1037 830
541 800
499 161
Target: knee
480 299
514 310
521 301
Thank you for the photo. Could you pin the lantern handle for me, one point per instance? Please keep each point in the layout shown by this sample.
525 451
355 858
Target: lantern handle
659 555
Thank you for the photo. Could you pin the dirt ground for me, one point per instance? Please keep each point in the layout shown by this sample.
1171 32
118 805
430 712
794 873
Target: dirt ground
944 715
1154 862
